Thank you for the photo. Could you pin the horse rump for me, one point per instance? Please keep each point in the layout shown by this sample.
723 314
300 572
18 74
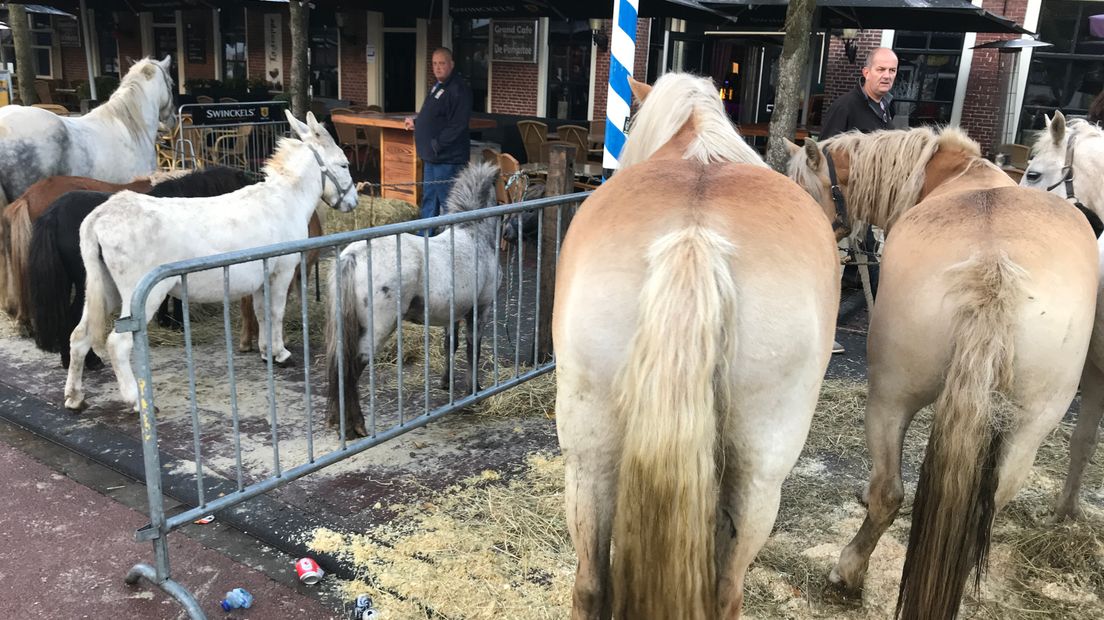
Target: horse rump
343 360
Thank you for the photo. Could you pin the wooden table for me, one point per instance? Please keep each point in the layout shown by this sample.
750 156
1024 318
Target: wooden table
400 168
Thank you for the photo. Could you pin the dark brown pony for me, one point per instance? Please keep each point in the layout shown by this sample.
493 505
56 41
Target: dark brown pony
15 234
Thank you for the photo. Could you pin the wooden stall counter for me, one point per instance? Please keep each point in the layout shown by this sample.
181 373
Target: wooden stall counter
400 169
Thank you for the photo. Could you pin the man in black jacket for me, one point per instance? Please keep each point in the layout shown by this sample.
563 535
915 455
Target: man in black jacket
441 132
867 107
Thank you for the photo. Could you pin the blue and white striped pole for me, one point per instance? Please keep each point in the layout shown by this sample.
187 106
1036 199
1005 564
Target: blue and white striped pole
619 97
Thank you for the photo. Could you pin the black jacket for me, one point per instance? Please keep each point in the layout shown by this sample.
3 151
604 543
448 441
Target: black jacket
855 110
441 129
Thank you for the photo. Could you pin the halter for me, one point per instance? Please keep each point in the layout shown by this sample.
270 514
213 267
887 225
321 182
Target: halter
327 174
841 223
1067 180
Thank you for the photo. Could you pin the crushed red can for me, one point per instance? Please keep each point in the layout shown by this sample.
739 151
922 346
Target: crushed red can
309 571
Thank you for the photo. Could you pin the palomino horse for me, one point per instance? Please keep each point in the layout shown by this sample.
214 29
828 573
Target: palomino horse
1074 152
696 299
15 233
987 289
113 143
460 293
130 234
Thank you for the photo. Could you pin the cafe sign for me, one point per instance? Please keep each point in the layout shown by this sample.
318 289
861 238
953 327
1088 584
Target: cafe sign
514 40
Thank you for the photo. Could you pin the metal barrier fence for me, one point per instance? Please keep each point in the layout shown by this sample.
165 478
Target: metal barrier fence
238 135
516 307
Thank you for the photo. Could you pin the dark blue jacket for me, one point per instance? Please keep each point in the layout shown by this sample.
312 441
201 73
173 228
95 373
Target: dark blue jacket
854 110
441 129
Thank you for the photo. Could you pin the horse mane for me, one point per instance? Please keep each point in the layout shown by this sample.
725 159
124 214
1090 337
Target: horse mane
887 167
473 188
211 181
280 164
675 99
126 103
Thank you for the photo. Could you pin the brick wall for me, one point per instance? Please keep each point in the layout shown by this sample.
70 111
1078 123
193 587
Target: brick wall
73 65
987 84
354 66
514 88
130 40
433 41
601 66
840 75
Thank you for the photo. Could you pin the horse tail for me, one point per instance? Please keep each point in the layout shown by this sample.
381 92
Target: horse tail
668 395
344 276
101 296
953 510
51 294
20 244
5 252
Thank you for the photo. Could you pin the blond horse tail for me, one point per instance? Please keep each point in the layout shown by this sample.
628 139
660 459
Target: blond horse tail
342 378
20 246
669 393
101 296
953 510
5 253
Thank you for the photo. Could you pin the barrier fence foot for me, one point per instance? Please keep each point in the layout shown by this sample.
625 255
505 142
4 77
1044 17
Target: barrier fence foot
170 587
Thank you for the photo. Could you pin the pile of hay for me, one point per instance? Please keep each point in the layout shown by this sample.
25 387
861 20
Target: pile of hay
494 547
371 211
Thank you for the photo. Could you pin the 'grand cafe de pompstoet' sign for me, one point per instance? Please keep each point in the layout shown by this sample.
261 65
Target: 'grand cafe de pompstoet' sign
514 40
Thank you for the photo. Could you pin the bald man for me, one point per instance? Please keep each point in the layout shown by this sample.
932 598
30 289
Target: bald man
869 106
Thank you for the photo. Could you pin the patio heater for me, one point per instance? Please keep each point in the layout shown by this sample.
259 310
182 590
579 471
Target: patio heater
1009 51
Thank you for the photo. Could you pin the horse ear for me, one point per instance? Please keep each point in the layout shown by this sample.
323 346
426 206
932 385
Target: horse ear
301 130
166 63
1057 127
131 61
639 89
812 154
313 123
791 148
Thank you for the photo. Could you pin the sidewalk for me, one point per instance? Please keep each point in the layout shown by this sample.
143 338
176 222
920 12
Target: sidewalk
66 549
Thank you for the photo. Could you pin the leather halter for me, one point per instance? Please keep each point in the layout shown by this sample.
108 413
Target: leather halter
327 174
1067 180
842 223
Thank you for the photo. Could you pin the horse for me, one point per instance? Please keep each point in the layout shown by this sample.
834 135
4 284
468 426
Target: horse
464 294
985 308
130 234
55 264
1055 167
696 297
16 223
113 143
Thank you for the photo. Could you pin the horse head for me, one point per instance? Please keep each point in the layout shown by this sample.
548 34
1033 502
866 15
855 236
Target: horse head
810 168
1065 159
338 189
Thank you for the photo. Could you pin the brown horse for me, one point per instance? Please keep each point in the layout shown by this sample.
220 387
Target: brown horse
985 308
15 234
695 306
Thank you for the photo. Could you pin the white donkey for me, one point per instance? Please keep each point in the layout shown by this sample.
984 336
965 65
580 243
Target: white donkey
130 234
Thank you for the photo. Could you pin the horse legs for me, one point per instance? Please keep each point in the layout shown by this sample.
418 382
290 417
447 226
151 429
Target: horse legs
474 342
590 443
1083 441
278 285
888 415
249 330
450 345
120 345
92 361
80 343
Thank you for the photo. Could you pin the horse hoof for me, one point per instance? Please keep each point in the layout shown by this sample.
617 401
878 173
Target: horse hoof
1066 513
288 362
841 587
75 404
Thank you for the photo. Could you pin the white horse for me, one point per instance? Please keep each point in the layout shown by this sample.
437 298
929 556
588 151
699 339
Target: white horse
1076 149
130 234
112 143
465 267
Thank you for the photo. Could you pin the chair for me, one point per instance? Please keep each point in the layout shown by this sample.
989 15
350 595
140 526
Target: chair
1017 155
60 110
230 148
227 100
490 156
597 140
576 135
43 92
510 174
349 136
375 108
533 134
204 99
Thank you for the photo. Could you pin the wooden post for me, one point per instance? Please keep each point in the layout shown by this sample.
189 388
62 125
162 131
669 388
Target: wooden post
561 180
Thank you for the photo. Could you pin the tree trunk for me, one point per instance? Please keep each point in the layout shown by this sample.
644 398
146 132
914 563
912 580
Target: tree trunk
24 59
299 19
791 69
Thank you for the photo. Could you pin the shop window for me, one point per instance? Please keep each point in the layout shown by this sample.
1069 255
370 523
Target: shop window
470 43
927 74
1070 74
107 46
232 27
568 69
42 44
323 55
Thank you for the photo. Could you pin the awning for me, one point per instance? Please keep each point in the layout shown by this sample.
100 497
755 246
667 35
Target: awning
923 15
42 9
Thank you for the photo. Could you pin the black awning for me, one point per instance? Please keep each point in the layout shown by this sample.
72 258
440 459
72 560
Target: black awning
923 15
